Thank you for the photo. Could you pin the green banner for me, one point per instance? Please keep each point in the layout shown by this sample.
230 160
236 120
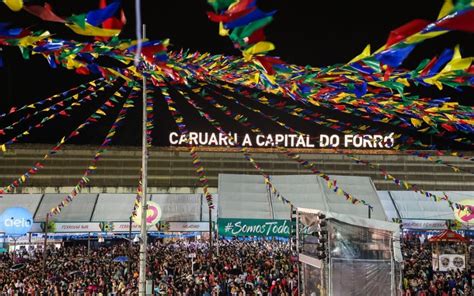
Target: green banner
253 227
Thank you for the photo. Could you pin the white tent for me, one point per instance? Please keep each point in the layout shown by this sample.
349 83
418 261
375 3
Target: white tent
247 196
419 211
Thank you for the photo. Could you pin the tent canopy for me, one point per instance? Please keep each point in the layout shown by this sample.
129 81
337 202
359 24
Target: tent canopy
448 236
247 196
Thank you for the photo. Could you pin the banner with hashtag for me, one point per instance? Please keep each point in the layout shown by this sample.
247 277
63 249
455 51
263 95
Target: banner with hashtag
253 227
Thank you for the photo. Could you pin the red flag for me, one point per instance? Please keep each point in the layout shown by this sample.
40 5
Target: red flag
461 22
406 30
448 127
44 13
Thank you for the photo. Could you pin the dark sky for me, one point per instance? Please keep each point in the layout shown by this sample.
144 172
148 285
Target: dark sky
311 32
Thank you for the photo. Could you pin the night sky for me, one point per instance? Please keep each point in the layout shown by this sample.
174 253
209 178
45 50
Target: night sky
317 33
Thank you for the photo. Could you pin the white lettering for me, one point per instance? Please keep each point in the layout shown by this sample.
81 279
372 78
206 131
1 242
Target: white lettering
308 144
348 139
269 142
222 140
300 142
367 141
260 139
193 138
172 139
247 141
279 138
12 222
323 140
292 140
334 141
378 141
357 141
285 140
389 141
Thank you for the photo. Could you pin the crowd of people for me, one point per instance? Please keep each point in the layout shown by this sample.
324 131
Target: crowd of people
419 278
242 268
185 267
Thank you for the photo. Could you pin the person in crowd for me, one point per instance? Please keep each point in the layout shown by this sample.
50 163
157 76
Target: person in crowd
419 278
241 268
258 267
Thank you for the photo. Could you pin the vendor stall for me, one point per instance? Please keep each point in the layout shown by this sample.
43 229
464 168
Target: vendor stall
450 251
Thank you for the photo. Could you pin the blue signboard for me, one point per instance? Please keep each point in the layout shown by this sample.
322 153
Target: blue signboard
16 221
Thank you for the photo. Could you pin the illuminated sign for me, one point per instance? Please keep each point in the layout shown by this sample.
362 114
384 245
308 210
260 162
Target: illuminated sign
153 214
282 140
16 221
465 216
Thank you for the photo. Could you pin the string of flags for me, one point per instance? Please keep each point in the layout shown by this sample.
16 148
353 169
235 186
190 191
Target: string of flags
198 166
150 125
404 141
243 120
332 184
244 150
372 86
93 118
85 179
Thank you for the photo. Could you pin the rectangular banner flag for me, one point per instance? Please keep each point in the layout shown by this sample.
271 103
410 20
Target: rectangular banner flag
253 227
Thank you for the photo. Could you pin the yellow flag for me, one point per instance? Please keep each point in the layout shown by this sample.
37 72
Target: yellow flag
223 31
365 53
447 7
418 37
93 31
427 120
415 122
15 5
4 148
260 47
30 40
457 62
100 112
118 74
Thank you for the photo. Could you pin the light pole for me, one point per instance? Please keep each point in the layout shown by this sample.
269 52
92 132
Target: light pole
143 202
45 254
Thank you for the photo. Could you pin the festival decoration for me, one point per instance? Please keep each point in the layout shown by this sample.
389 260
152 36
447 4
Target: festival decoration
465 214
241 119
126 105
372 86
200 171
98 114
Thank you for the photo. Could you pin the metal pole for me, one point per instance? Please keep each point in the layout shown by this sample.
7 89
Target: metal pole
143 230
130 231
46 226
88 244
370 211
291 233
210 233
299 274
130 247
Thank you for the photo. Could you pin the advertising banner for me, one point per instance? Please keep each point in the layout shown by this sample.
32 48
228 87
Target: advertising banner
424 224
253 227
16 221
80 227
164 227
117 227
